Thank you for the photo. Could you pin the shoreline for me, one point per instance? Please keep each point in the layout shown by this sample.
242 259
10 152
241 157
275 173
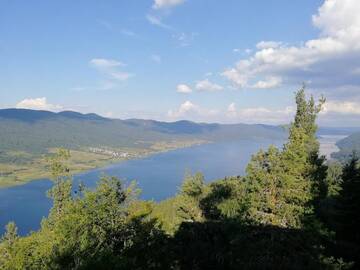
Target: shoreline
9 182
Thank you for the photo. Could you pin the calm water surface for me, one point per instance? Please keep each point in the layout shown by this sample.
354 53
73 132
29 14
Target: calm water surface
159 177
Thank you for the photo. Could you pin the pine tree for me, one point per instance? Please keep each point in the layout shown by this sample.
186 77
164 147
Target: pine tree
282 185
349 202
60 193
191 193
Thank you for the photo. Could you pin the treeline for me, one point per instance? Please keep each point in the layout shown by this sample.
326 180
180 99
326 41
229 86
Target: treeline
292 210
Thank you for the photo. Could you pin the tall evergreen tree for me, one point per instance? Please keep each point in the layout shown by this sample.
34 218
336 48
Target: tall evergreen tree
60 193
191 193
348 218
283 184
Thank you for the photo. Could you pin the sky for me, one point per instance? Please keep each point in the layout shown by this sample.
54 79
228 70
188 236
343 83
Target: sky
226 61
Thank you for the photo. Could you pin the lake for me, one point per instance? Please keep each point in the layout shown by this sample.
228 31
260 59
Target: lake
328 144
159 177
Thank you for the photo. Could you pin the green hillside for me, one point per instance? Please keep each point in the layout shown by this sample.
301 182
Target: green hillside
27 135
348 146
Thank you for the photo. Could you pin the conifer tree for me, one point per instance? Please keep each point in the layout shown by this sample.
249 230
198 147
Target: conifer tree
60 193
349 203
191 193
282 185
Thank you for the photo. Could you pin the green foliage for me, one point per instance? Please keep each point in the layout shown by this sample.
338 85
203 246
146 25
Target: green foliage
333 179
191 193
225 200
281 184
60 193
346 218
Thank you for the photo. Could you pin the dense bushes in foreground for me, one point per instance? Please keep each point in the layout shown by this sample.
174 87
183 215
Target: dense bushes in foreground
291 210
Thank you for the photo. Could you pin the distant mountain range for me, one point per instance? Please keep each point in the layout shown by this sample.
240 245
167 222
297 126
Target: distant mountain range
35 131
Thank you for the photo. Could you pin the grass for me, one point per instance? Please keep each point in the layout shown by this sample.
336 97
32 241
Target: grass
25 167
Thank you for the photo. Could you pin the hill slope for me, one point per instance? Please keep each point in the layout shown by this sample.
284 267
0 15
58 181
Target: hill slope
37 131
347 146
27 135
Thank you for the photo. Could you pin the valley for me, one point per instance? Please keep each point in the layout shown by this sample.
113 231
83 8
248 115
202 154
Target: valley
28 137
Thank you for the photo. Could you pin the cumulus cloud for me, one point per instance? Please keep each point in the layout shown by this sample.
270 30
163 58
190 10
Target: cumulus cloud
165 4
325 62
105 63
341 107
192 111
183 88
269 82
183 110
206 85
333 114
259 114
37 104
231 114
231 110
268 44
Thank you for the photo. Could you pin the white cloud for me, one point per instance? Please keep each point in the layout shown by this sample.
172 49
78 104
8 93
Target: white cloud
161 4
184 39
268 44
269 82
128 32
246 51
120 75
154 20
183 110
341 107
105 63
183 88
231 110
231 114
156 58
327 61
192 111
38 104
111 69
333 114
206 85
259 115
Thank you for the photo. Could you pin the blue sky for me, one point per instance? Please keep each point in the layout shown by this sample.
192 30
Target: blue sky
204 60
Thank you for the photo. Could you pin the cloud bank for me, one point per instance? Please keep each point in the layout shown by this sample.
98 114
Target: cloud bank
326 63
38 104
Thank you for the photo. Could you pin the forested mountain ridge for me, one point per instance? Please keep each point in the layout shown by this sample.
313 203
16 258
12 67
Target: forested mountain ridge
348 146
26 136
39 130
